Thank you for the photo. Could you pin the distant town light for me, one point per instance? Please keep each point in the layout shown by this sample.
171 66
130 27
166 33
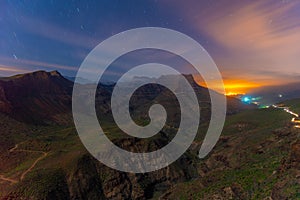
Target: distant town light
246 99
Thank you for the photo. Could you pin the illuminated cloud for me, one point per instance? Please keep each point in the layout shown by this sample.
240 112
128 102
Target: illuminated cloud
14 66
6 70
254 37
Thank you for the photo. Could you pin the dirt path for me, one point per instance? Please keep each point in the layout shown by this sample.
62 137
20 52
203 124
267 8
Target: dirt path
33 165
15 148
12 181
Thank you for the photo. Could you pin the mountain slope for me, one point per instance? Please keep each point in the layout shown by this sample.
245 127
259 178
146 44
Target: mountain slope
56 164
45 97
255 158
38 97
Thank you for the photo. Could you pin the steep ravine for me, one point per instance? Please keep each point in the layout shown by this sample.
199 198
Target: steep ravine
93 180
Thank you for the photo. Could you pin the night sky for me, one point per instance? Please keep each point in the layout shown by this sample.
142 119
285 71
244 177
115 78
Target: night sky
254 43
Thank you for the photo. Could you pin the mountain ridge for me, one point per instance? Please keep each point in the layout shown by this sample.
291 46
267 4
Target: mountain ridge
45 97
33 97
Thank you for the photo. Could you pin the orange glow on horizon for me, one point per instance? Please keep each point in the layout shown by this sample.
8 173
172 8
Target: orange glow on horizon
233 86
234 93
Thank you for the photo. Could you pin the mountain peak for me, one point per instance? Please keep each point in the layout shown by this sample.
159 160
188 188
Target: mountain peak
55 73
41 74
49 92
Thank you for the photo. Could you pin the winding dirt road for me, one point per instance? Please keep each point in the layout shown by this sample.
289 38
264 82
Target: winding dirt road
12 181
33 165
15 148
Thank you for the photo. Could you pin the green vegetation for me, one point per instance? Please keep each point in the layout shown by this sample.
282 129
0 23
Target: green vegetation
45 184
294 105
249 155
252 154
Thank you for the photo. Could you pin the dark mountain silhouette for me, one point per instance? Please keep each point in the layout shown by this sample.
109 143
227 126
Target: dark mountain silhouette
37 97
45 97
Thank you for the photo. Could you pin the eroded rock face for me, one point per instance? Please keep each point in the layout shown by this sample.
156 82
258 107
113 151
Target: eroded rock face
93 179
289 173
233 192
85 182
119 185
293 159
5 105
295 154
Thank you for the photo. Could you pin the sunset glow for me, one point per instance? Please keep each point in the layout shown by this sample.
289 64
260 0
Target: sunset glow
235 87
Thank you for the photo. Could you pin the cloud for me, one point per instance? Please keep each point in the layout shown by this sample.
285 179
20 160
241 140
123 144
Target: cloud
254 36
259 29
57 33
254 26
7 70
22 65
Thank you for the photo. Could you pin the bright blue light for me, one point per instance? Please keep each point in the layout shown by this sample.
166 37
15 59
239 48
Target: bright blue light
246 99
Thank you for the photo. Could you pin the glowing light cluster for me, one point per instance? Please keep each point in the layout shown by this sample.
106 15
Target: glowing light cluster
246 99
250 100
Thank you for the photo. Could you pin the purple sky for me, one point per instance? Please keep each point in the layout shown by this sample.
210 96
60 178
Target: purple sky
254 42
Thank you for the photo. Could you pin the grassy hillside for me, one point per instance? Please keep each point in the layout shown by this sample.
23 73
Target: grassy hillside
294 105
247 163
